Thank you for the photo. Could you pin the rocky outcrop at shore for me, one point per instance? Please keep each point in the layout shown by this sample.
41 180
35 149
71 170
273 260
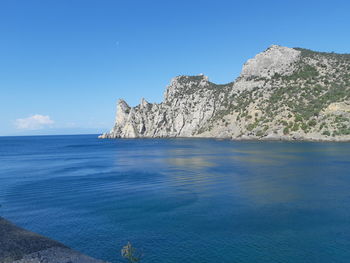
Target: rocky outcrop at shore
18 245
282 93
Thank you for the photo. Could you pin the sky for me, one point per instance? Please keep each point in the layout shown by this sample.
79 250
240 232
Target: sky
64 63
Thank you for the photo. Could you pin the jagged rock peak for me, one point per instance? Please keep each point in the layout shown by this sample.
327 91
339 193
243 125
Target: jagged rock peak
182 79
182 84
123 110
275 59
144 103
122 103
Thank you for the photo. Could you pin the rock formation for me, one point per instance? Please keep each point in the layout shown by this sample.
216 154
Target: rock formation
282 93
18 245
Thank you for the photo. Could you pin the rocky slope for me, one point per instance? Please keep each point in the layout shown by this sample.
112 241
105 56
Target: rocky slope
282 93
18 245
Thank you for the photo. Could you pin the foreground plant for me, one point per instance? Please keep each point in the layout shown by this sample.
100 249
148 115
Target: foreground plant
131 254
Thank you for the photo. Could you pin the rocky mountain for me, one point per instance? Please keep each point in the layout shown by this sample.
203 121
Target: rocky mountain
282 93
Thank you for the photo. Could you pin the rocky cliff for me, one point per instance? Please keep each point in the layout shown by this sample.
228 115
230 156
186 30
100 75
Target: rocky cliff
281 93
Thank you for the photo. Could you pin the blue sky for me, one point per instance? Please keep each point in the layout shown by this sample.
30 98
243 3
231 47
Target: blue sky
64 63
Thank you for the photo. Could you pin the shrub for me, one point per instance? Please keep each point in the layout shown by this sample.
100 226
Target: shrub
304 127
326 133
286 131
298 118
295 127
284 123
312 123
345 131
251 126
260 133
131 254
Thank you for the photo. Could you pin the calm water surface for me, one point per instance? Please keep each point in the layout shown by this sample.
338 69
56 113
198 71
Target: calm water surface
182 200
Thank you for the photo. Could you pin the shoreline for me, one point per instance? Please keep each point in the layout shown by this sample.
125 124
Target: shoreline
262 139
18 245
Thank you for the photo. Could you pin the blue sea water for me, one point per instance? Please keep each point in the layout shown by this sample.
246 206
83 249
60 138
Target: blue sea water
182 200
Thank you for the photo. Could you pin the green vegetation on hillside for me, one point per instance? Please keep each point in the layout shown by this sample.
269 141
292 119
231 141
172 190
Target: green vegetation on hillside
290 103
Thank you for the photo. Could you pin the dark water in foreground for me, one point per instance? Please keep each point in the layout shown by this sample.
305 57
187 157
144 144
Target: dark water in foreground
182 200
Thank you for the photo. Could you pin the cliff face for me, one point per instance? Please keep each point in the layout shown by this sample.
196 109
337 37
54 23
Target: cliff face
282 93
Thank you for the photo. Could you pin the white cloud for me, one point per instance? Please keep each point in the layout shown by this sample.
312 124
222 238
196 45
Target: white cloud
34 122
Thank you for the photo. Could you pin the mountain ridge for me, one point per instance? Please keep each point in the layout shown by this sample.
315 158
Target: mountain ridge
281 94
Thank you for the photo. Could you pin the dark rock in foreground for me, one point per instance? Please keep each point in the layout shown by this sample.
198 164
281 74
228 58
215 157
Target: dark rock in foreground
21 246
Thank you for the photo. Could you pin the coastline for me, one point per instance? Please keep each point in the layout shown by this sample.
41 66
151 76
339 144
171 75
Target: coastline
243 138
18 245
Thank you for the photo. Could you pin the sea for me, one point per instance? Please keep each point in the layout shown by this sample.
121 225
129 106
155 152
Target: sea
182 200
